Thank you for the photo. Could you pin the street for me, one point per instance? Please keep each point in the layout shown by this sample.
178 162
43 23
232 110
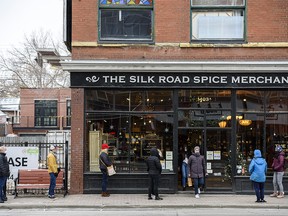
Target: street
143 211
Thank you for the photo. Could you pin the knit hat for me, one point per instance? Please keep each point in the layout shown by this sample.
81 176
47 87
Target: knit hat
2 149
52 147
197 149
105 146
278 148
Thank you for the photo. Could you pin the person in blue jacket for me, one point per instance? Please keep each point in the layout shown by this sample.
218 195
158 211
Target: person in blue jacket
258 170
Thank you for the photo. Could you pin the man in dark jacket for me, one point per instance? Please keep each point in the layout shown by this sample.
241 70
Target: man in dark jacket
154 169
104 162
4 172
197 170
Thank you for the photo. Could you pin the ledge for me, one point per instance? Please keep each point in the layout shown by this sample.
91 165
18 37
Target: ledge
185 45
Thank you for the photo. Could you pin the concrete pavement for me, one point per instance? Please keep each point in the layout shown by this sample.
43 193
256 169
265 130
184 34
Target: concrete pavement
179 200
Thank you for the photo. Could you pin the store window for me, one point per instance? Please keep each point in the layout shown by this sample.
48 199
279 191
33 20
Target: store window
126 20
262 123
209 108
45 112
218 20
131 129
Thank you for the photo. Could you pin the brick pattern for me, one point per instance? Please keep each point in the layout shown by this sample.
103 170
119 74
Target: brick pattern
77 139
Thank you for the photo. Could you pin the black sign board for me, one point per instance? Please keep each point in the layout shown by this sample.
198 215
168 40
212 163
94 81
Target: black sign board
178 80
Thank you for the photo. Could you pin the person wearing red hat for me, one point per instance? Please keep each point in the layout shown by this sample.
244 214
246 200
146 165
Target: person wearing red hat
104 162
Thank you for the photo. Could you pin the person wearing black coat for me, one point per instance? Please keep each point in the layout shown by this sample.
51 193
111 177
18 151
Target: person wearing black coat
104 162
154 169
4 172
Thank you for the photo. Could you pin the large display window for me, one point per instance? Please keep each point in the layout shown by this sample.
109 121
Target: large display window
134 122
262 123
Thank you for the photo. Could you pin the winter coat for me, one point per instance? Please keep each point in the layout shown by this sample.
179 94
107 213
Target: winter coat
154 166
278 162
4 166
196 165
52 162
104 160
258 167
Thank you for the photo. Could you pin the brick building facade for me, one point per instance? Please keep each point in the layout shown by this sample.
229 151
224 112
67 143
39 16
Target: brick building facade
201 57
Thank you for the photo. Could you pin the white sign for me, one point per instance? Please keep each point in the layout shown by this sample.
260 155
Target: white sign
169 155
209 155
217 155
22 158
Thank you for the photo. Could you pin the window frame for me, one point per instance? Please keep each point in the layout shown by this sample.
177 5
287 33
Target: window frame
217 8
41 120
127 8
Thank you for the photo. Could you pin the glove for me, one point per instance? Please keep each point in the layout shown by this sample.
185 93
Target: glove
58 169
56 175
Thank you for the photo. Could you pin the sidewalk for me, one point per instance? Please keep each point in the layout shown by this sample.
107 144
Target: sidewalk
185 200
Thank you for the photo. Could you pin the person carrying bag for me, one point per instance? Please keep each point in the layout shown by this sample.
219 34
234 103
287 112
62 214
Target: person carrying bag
106 168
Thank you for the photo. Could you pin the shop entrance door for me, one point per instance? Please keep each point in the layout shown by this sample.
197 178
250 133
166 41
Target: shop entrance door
215 146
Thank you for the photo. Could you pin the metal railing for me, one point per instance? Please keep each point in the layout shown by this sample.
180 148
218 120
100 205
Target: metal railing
42 144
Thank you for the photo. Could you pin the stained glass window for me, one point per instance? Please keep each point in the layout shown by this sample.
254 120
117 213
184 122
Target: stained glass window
126 2
126 20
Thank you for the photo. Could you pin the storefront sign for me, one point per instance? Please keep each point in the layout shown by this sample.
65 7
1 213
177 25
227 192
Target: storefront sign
178 80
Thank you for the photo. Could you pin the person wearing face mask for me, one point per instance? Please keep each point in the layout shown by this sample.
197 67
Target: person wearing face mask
197 170
4 173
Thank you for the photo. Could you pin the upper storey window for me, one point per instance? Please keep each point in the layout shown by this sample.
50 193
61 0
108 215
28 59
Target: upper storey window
218 20
126 20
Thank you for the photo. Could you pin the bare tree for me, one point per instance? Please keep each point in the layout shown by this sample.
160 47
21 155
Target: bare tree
20 67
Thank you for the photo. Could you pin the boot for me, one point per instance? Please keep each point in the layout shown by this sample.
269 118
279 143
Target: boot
281 195
105 194
274 194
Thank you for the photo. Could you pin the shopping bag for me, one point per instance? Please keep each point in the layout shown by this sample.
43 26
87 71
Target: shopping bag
189 182
111 170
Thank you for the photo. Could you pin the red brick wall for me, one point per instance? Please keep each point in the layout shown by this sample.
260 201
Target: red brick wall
28 96
84 20
266 22
77 141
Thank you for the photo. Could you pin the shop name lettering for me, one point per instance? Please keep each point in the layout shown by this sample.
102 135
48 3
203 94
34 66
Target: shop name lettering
191 79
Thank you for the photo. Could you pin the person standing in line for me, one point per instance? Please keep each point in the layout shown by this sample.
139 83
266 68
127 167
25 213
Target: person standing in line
52 170
197 170
258 170
104 162
154 169
184 171
4 172
278 168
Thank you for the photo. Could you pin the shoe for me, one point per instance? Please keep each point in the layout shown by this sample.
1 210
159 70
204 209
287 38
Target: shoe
197 196
184 188
105 194
281 195
5 198
150 198
274 194
51 196
1 201
258 201
158 198
199 191
263 201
